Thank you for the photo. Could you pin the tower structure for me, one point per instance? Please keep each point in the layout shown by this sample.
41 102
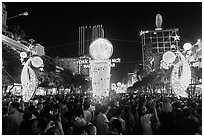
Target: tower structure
156 42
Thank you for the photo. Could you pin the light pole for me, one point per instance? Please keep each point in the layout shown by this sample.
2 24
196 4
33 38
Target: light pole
22 14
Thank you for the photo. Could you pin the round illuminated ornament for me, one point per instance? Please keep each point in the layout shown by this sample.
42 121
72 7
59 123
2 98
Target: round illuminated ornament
23 54
101 49
187 46
37 62
169 57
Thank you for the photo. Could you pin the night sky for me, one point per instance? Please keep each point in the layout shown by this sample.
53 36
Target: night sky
55 25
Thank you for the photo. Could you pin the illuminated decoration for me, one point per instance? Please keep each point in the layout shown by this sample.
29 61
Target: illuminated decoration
37 62
169 57
165 65
187 46
100 74
101 49
154 44
28 80
173 46
23 54
176 37
158 22
181 76
119 84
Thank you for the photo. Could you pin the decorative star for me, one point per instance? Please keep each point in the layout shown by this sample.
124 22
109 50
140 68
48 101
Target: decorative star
173 46
176 37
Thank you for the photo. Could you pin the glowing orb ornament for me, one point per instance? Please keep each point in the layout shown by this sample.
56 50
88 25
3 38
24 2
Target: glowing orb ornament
101 49
37 61
169 57
23 54
187 46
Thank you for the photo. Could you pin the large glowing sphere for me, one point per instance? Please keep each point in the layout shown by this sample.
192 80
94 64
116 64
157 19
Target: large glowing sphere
169 57
187 46
37 62
23 54
101 49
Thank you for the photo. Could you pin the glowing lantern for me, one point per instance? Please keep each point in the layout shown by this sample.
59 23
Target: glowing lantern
187 46
169 57
23 54
37 62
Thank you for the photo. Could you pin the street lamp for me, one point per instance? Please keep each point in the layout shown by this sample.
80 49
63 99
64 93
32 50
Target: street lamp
22 14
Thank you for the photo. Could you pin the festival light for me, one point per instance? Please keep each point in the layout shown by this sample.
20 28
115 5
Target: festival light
37 62
101 49
23 54
29 81
100 74
187 46
169 57
181 76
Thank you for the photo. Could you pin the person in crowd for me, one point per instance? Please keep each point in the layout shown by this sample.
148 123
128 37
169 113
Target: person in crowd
37 112
136 117
47 113
129 120
13 120
145 121
54 128
102 121
178 114
189 125
112 111
38 126
79 125
25 126
4 119
115 127
167 118
87 113
119 112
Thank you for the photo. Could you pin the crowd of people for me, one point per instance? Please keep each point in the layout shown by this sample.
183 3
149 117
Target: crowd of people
123 114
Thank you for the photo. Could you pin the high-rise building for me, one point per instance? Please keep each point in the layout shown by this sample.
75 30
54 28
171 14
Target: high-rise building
87 34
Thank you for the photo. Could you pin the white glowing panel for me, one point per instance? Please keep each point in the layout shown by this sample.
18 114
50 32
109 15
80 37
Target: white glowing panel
100 74
101 49
181 76
29 81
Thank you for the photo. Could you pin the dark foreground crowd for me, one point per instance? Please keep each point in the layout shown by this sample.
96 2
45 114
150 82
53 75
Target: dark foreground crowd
123 114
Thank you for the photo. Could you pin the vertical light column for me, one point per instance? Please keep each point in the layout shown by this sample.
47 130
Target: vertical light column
100 74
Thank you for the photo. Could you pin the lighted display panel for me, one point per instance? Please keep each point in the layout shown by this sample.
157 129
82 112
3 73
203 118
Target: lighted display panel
100 74
155 43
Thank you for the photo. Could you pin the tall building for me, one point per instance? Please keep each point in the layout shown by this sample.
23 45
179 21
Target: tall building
87 34
155 43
